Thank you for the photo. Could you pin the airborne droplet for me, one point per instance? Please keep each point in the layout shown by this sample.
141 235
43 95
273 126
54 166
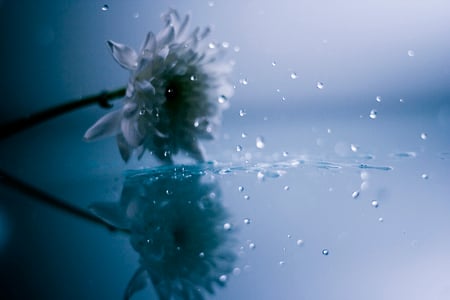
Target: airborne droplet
293 75
260 142
105 7
325 252
320 85
423 136
373 114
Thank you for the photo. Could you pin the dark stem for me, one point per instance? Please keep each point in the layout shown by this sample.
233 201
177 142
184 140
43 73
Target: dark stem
101 99
43 197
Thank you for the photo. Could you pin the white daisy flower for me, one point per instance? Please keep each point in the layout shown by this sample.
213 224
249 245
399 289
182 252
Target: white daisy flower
176 93
176 224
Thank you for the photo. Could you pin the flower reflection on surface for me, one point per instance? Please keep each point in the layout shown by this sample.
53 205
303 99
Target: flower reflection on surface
176 222
175 96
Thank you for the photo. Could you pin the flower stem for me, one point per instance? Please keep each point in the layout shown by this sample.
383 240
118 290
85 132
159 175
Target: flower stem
18 125
43 197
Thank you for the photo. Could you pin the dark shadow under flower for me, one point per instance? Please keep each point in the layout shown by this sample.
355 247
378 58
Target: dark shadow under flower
176 93
176 223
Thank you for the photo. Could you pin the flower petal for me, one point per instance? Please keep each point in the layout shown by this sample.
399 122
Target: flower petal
149 46
165 36
108 125
124 149
111 213
138 282
124 55
131 133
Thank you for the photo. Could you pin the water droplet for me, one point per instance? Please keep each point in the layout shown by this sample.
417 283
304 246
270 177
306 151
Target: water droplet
373 114
285 153
225 45
325 252
293 75
246 197
424 176
238 148
281 263
243 81
252 246
260 175
169 192
286 188
260 142
243 135
240 188
221 99
354 147
246 221
237 48
211 3
299 242
329 130
320 85
355 194
193 78
227 226
411 53
211 45
380 219
423 136
242 112
283 98
289 236
378 99
223 278
201 254
105 7
236 271
401 100
142 112
374 203
274 63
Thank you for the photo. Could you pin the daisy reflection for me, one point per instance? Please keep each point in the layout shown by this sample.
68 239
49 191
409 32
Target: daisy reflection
176 224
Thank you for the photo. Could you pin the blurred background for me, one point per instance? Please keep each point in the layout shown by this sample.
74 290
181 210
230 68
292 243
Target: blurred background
351 83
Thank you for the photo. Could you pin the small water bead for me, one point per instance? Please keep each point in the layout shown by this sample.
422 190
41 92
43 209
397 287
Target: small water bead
237 49
238 148
251 246
325 252
285 153
299 242
411 53
105 7
354 147
243 135
211 3
243 81
260 142
211 45
193 78
242 112
423 136
260 175
201 254
293 75
424 176
223 278
286 188
281 263
380 219
373 114
320 85
374 203
241 188
274 63
401 100
355 194
227 226
246 197
236 271
246 221
378 99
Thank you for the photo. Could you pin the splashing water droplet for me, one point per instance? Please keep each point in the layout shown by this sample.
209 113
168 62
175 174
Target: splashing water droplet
374 203
201 254
260 142
286 188
246 197
242 112
240 188
401 100
424 176
354 148
243 81
411 53
423 136
373 114
378 99
211 3
260 175
274 63
299 242
246 221
211 45
281 263
105 7
320 85
223 278
236 271
380 219
355 194
238 148
243 135
193 78
252 245
293 75
227 226
285 153
325 252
